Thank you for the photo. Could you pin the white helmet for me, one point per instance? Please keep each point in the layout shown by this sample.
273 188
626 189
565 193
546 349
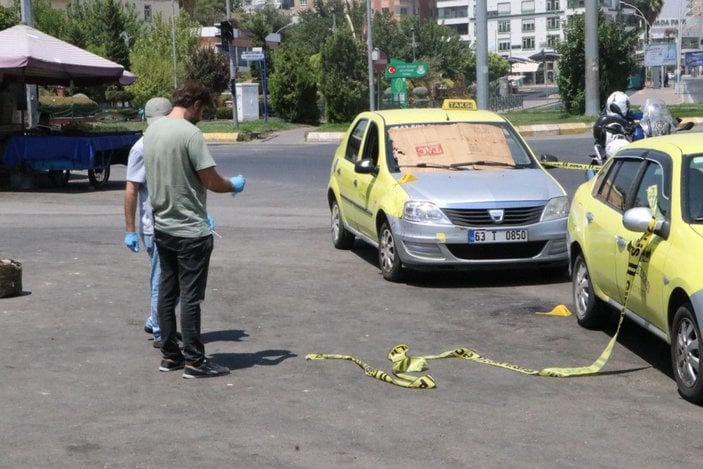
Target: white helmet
618 103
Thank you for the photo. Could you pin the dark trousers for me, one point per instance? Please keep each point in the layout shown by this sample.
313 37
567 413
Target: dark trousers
184 268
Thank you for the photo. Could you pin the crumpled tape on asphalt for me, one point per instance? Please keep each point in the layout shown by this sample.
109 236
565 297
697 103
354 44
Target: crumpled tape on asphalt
402 363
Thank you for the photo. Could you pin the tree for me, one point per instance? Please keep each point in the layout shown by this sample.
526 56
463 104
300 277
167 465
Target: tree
208 12
152 59
649 8
209 68
343 81
293 86
616 60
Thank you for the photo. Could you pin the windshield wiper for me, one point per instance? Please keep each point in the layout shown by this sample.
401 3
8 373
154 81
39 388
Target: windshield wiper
431 165
482 163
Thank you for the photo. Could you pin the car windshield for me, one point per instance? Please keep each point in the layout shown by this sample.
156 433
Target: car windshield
457 146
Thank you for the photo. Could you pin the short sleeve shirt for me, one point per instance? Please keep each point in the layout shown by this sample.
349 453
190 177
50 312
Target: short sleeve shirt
136 173
174 151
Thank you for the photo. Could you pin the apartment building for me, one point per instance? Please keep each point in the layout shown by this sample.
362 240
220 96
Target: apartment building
145 9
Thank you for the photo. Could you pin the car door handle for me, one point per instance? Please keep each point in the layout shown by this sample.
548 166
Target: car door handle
589 217
620 241
356 183
339 172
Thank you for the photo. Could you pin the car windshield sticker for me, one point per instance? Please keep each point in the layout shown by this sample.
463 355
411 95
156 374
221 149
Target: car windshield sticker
453 146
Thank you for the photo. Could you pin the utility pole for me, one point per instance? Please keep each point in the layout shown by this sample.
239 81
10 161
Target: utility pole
30 90
592 60
481 55
233 71
369 54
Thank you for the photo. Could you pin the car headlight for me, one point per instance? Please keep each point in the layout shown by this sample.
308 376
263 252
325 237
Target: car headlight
556 208
424 212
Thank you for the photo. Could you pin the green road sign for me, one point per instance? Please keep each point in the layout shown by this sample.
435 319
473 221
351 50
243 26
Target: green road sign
399 69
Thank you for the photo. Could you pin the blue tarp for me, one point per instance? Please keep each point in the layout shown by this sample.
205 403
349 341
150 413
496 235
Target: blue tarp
79 152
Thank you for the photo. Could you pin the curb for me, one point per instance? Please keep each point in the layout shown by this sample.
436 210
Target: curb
221 137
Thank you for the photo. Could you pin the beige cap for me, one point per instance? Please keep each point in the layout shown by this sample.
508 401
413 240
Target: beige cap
156 108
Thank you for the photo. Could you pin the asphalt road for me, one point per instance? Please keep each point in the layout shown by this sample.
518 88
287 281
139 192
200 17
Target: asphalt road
80 384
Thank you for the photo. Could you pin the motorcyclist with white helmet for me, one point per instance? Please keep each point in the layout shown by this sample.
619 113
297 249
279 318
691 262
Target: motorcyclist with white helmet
617 125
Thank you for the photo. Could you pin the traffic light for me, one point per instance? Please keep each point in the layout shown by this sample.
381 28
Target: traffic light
225 33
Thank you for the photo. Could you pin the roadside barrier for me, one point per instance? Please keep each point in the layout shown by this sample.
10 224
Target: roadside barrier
402 363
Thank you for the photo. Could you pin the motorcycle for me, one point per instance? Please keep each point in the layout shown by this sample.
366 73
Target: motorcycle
613 131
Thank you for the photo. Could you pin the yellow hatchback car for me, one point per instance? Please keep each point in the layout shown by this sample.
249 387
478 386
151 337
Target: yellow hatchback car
659 177
445 188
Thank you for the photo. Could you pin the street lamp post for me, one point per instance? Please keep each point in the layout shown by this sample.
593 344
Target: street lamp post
647 28
369 53
414 44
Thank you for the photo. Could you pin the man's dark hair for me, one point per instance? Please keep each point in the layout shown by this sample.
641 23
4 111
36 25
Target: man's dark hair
189 92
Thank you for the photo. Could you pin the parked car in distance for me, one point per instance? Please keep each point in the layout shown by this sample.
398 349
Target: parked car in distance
445 188
659 177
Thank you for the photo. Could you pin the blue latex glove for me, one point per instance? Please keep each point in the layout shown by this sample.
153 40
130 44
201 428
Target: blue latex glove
238 183
211 222
131 240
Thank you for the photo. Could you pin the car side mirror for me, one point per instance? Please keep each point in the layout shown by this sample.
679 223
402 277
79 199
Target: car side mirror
637 219
365 166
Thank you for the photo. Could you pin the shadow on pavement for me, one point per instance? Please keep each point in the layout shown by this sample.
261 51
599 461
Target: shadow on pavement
232 335
238 361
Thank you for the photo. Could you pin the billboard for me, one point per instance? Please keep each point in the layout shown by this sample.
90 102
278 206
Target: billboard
694 59
660 54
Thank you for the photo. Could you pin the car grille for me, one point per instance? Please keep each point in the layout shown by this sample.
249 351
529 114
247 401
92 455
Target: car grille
497 251
480 217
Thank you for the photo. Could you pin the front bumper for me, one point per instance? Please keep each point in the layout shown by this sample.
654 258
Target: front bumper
425 246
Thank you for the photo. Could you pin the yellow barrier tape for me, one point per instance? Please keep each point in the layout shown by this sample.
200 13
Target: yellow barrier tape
567 165
403 364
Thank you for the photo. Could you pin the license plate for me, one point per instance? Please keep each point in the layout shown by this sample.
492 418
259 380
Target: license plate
497 236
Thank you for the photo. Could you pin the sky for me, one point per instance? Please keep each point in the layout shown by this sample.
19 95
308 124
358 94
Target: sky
671 8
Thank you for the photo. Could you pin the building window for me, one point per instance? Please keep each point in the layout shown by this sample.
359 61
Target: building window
552 5
503 9
528 6
528 43
403 11
147 13
553 22
303 3
576 4
504 45
453 12
553 40
504 26
528 26
461 29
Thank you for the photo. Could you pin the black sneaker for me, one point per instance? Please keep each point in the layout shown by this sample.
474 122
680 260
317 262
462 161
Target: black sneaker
207 369
148 330
172 364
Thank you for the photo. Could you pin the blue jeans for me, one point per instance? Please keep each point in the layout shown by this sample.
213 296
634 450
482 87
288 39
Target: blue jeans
153 320
184 269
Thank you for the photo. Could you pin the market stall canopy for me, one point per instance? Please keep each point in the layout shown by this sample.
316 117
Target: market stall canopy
31 56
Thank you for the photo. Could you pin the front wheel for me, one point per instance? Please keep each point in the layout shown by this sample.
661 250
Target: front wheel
99 176
590 310
388 259
686 354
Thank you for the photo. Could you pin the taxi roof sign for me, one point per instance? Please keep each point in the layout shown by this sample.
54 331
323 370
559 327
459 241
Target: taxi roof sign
459 105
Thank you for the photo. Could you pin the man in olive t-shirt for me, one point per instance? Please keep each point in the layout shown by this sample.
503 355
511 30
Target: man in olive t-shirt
179 172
